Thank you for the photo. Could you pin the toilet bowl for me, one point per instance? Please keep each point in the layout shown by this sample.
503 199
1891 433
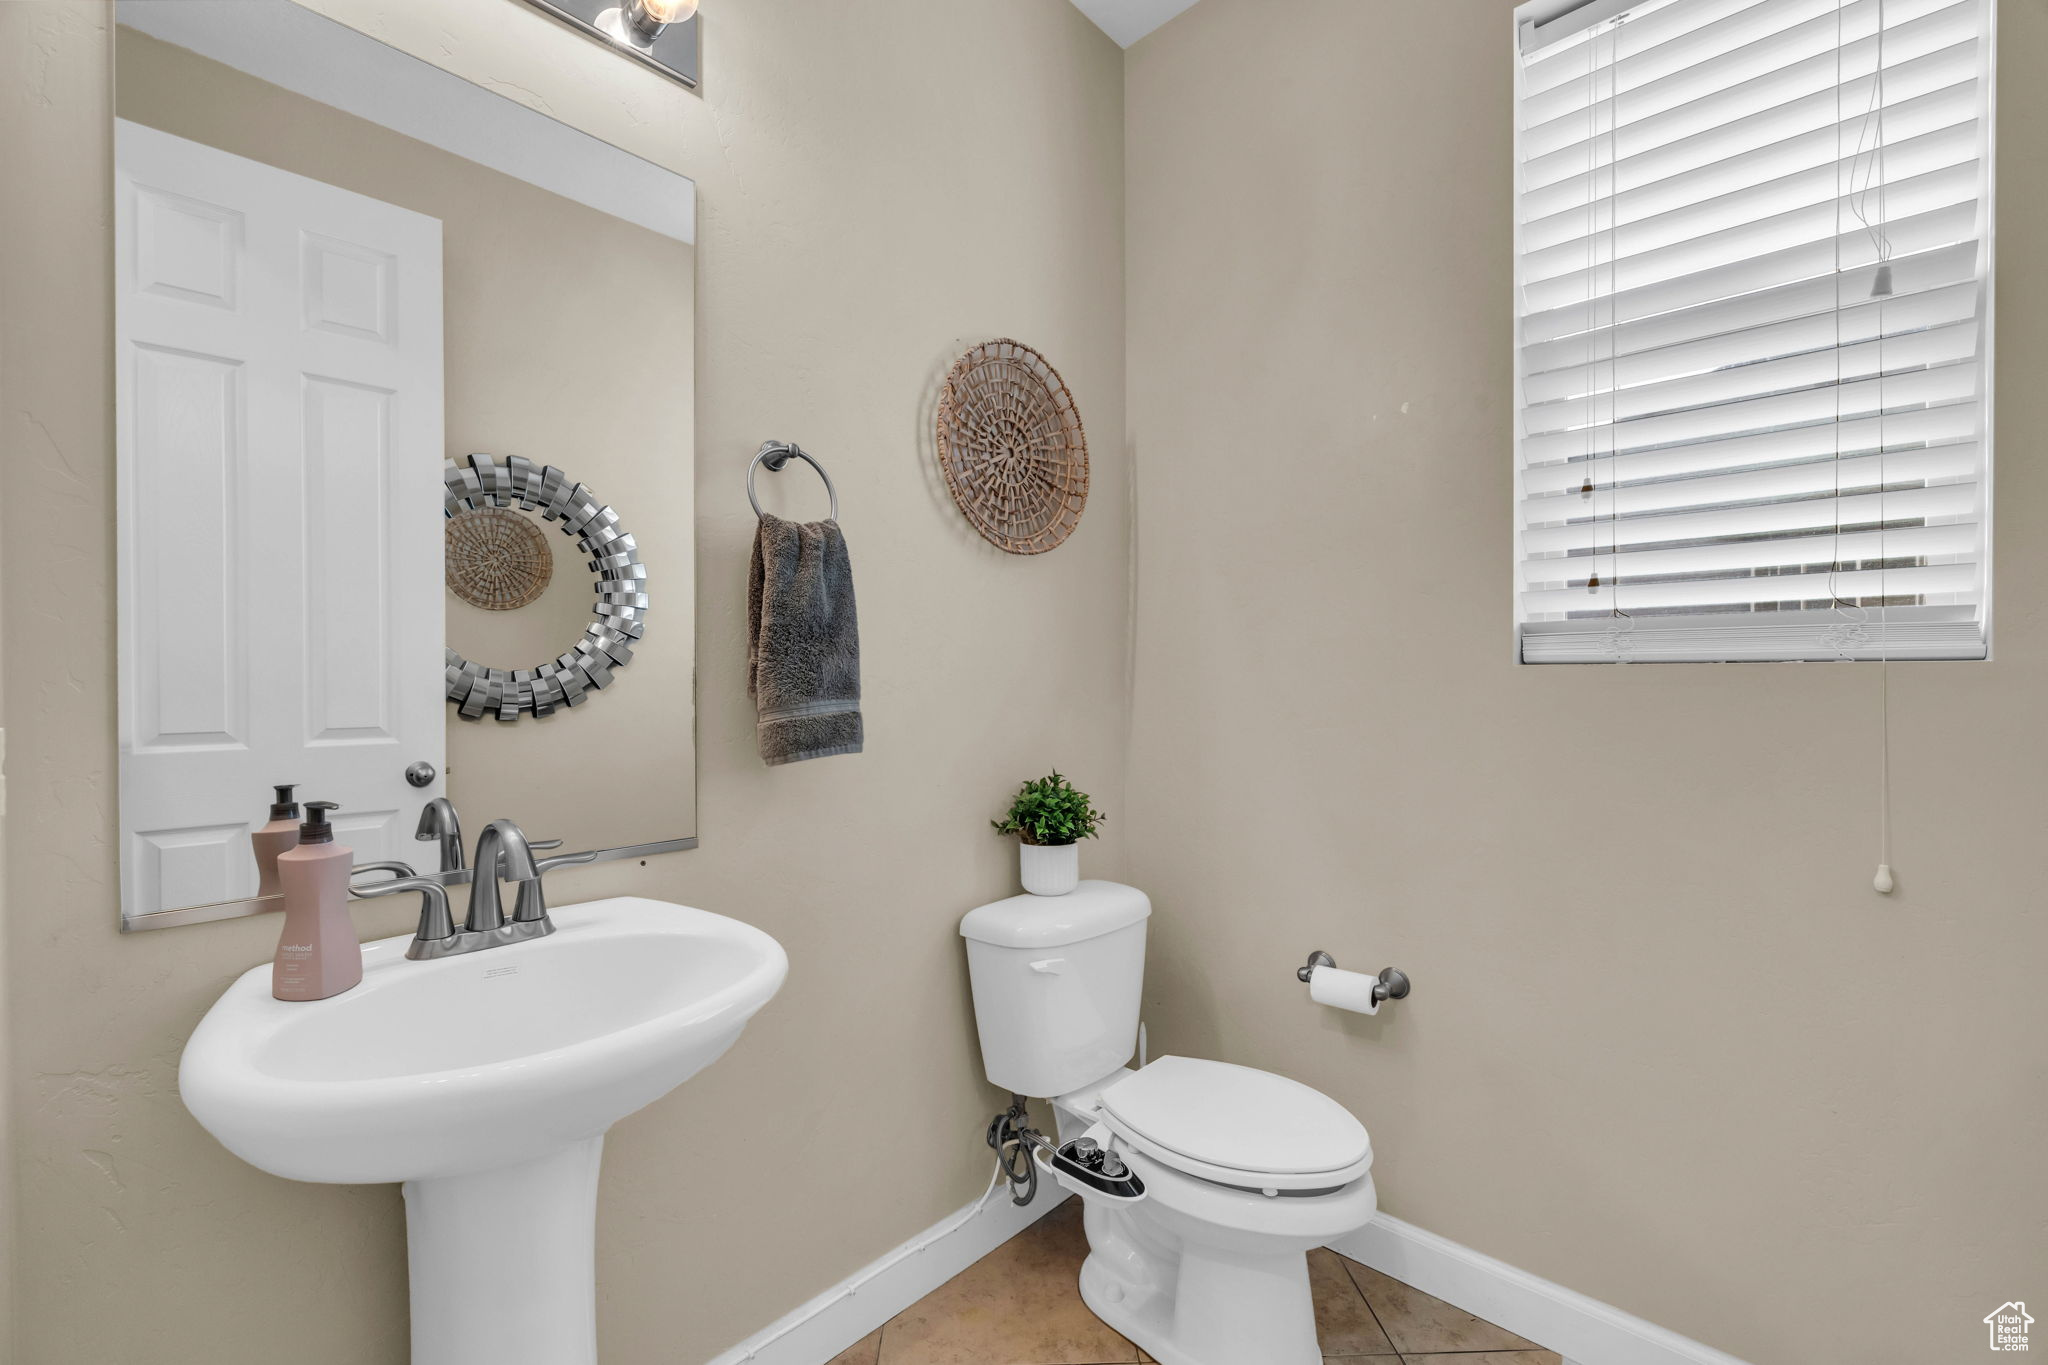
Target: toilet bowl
1243 1171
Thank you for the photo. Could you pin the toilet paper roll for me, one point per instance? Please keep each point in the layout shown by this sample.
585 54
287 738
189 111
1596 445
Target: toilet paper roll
1345 990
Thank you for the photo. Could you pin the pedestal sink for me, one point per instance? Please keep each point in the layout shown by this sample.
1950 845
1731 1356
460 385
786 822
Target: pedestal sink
485 1084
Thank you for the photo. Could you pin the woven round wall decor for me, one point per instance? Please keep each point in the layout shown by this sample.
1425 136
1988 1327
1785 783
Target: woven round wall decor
497 558
1011 447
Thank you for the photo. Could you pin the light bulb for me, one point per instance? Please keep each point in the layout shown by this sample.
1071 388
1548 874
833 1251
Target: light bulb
652 16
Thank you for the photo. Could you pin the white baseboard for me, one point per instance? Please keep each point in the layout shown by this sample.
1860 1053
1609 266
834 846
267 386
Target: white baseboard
843 1314
1584 1331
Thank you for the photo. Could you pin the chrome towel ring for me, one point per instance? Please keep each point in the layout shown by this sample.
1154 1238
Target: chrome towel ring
777 455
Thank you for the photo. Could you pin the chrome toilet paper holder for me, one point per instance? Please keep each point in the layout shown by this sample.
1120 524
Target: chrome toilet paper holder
1393 982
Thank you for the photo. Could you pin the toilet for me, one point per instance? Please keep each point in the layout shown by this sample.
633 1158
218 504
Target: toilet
1244 1172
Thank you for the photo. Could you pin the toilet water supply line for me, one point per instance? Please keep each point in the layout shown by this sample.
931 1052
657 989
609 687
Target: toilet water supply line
1013 1138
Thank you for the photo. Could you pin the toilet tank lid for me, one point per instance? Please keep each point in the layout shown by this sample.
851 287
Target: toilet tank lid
1090 910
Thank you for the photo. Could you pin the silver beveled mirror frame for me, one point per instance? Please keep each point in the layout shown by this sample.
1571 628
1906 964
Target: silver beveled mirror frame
619 617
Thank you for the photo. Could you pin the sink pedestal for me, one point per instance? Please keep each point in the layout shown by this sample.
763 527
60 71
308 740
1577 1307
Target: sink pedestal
504 1263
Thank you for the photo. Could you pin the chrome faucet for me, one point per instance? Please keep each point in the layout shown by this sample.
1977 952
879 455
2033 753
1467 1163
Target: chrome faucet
510 856
501 851
438 821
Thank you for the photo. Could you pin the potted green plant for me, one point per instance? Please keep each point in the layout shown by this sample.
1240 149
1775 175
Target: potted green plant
1050 818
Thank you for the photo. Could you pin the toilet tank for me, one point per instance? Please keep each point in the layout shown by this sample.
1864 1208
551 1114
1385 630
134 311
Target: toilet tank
1056 985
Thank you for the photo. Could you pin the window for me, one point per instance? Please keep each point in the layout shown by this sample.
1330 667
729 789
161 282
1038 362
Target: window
1753 372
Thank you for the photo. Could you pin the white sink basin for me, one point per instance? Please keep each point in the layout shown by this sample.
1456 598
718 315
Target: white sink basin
451 1066
485 1082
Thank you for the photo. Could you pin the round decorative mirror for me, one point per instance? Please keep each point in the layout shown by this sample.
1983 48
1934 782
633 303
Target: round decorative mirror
498 559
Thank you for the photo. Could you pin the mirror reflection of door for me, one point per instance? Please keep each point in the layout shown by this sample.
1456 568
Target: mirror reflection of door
280 415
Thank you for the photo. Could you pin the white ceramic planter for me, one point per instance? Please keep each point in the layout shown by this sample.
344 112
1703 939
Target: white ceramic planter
1049 870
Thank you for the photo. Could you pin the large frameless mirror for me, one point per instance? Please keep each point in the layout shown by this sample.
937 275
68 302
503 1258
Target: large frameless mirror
390 528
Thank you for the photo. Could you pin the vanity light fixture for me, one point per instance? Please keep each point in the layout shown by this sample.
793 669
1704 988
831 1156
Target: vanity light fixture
647 18
657 33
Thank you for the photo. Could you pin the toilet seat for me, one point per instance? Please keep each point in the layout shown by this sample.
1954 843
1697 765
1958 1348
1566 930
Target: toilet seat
1237 1125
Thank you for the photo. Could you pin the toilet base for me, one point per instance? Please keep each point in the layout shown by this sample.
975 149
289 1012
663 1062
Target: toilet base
1146 1325
1236 1309
1199 1273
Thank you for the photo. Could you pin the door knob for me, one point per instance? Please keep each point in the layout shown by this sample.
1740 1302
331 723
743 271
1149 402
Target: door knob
422 774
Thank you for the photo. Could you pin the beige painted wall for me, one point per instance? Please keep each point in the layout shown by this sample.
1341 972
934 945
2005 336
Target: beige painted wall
1666 1046
546 304
882 184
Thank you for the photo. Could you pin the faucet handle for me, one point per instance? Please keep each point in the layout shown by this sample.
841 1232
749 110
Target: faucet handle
436 924
394 867
543 843
531 906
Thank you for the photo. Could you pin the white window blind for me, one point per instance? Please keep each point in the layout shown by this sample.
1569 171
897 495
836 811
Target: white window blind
1753 268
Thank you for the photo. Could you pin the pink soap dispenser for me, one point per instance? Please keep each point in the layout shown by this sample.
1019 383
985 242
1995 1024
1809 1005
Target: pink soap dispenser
274 838
318 954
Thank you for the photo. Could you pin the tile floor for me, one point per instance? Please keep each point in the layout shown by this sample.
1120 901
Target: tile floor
1020 1306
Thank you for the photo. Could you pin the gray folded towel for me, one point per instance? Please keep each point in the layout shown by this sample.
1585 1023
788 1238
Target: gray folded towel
803 643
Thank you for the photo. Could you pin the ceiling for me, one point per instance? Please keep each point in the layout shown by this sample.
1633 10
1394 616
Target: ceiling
1129 20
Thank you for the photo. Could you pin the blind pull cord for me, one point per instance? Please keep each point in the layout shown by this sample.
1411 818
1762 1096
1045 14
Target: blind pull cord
1881 289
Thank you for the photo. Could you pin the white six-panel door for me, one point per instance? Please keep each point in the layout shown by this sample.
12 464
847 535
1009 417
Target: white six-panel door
279 446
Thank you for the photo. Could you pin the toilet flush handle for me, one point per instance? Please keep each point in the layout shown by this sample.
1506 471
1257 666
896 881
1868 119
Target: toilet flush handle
1051 966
